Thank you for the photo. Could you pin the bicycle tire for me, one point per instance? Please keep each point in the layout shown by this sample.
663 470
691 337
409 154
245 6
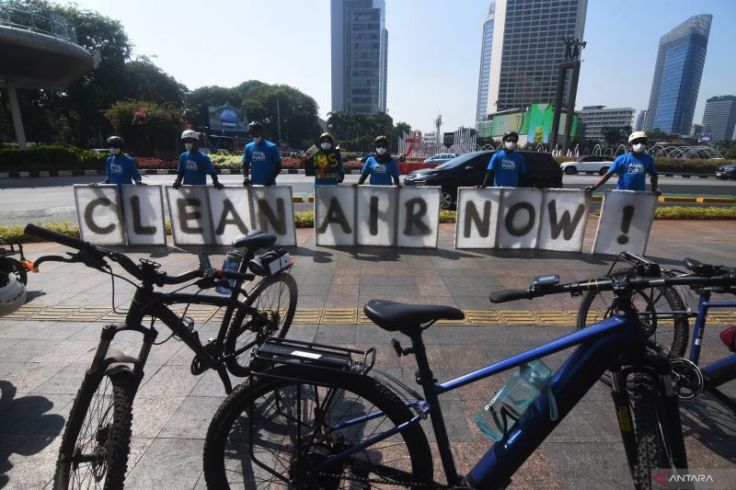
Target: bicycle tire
248 405
12 266
243 336
112 461
680 324
652 451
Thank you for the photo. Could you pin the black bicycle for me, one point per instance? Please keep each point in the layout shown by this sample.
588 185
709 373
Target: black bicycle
96 442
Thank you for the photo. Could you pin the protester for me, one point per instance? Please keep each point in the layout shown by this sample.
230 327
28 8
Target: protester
261 159
506 165
631 167
193 164
326 164
381 167
121 167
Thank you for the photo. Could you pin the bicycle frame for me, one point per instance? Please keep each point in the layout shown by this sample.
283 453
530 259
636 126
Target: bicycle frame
602 346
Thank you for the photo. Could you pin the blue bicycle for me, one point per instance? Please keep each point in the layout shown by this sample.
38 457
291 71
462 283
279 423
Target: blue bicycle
313 416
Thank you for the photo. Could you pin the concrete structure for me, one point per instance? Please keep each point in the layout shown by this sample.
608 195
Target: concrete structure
37 53
485 64
597 117
641 119
677 74
359 56
719 119
527 50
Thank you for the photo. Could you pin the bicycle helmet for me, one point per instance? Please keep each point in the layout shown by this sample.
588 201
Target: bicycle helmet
381 139
637 135
511 136
116 142
326 136
190 135
12 294
255 128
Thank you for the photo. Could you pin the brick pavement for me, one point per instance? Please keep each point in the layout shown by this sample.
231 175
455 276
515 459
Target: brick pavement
42 362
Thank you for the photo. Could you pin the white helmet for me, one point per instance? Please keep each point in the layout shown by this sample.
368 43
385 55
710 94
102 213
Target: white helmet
12 293
190 134
637 135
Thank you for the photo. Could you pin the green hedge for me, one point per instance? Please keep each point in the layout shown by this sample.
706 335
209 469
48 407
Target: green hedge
49 157
679 165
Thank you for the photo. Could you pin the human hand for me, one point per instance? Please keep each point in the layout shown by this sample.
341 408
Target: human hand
588 189
218 186
246 182
177 185
139 182
94 184
355 184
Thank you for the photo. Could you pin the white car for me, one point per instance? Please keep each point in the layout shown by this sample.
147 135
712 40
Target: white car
595 164
441 158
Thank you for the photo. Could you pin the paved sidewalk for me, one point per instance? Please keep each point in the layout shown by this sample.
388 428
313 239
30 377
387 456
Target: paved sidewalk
42 362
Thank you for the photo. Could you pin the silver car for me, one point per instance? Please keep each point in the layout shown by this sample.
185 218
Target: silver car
590 164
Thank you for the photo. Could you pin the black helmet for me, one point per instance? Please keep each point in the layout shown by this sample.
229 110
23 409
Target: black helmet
116 142
326 136
380 139
511 135
255 127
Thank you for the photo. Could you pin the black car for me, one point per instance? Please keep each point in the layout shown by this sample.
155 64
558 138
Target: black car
469 169
726 171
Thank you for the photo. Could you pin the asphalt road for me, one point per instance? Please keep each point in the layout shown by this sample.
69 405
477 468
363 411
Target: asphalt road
51 199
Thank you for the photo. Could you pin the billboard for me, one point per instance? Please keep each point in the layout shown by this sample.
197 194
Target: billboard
534 125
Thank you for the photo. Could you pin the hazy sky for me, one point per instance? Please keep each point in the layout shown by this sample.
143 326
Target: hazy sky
433 51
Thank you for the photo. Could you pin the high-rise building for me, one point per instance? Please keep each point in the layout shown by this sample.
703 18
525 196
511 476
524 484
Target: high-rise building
677 74
597 117
359 56
719 119
527 50
641 119
485 64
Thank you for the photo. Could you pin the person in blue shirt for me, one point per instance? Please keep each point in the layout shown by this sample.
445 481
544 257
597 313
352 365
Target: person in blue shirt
261 159
505 166
381 167
121 168
193 164
326 165
632 167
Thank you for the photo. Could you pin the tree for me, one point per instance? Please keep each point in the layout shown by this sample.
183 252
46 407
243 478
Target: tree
147 127
654 135
146 81
616 135
357 131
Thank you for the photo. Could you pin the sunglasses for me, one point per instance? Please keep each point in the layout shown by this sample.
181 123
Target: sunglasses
381 146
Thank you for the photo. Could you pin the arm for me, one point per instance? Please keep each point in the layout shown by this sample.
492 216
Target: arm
213 173
488 179
395 173
179 174
136 173
600 182
340 168
653 180
276 164
364 172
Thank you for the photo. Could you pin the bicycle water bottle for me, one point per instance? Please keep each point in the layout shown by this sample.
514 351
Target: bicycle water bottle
507 406
231 264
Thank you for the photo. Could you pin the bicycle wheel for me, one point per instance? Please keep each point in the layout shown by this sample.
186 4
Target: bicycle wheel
652 446
95 445
273 433
275 299
12 266
661 310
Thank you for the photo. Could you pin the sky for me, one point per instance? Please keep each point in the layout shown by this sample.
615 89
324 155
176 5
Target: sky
433 49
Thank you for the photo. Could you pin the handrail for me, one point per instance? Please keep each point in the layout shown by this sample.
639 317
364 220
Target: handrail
54 25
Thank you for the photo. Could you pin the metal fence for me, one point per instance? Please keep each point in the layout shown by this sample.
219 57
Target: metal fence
18 16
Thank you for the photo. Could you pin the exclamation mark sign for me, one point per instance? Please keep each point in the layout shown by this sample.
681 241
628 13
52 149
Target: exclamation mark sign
625 224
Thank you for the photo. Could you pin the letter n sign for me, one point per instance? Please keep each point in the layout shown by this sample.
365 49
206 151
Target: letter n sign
98 213
477 217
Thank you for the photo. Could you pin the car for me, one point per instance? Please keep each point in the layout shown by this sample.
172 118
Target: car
469 169
441 158
596 164
726 171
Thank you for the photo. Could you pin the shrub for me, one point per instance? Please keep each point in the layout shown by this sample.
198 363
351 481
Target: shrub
49 157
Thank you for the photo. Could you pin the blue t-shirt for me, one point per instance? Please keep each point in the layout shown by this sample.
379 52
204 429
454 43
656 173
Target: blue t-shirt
381 172
262 159
506 168
121 169
631 169
195 165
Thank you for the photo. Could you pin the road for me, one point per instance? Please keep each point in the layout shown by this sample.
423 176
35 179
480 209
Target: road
51 199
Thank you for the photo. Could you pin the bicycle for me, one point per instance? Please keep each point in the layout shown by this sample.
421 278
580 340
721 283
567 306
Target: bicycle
691 379
311 416
11 265
95 444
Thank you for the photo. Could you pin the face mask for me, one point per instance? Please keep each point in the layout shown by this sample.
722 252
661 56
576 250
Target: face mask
509 145
188 146
257 139
326 145
115 151
638 147
380 151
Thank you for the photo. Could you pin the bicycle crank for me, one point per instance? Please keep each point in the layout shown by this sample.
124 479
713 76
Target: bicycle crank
687 377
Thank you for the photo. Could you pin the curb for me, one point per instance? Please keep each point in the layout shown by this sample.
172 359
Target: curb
144 171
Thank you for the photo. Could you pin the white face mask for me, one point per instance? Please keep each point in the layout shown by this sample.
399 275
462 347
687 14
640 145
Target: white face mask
326 145
509 145
638 147
115 151
257 139
380 151
188 146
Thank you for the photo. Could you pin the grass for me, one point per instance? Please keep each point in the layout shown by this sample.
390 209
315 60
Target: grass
305 219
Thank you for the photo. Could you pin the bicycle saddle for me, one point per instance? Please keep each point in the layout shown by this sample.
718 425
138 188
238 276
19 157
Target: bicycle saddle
702 269
255 240
393 316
